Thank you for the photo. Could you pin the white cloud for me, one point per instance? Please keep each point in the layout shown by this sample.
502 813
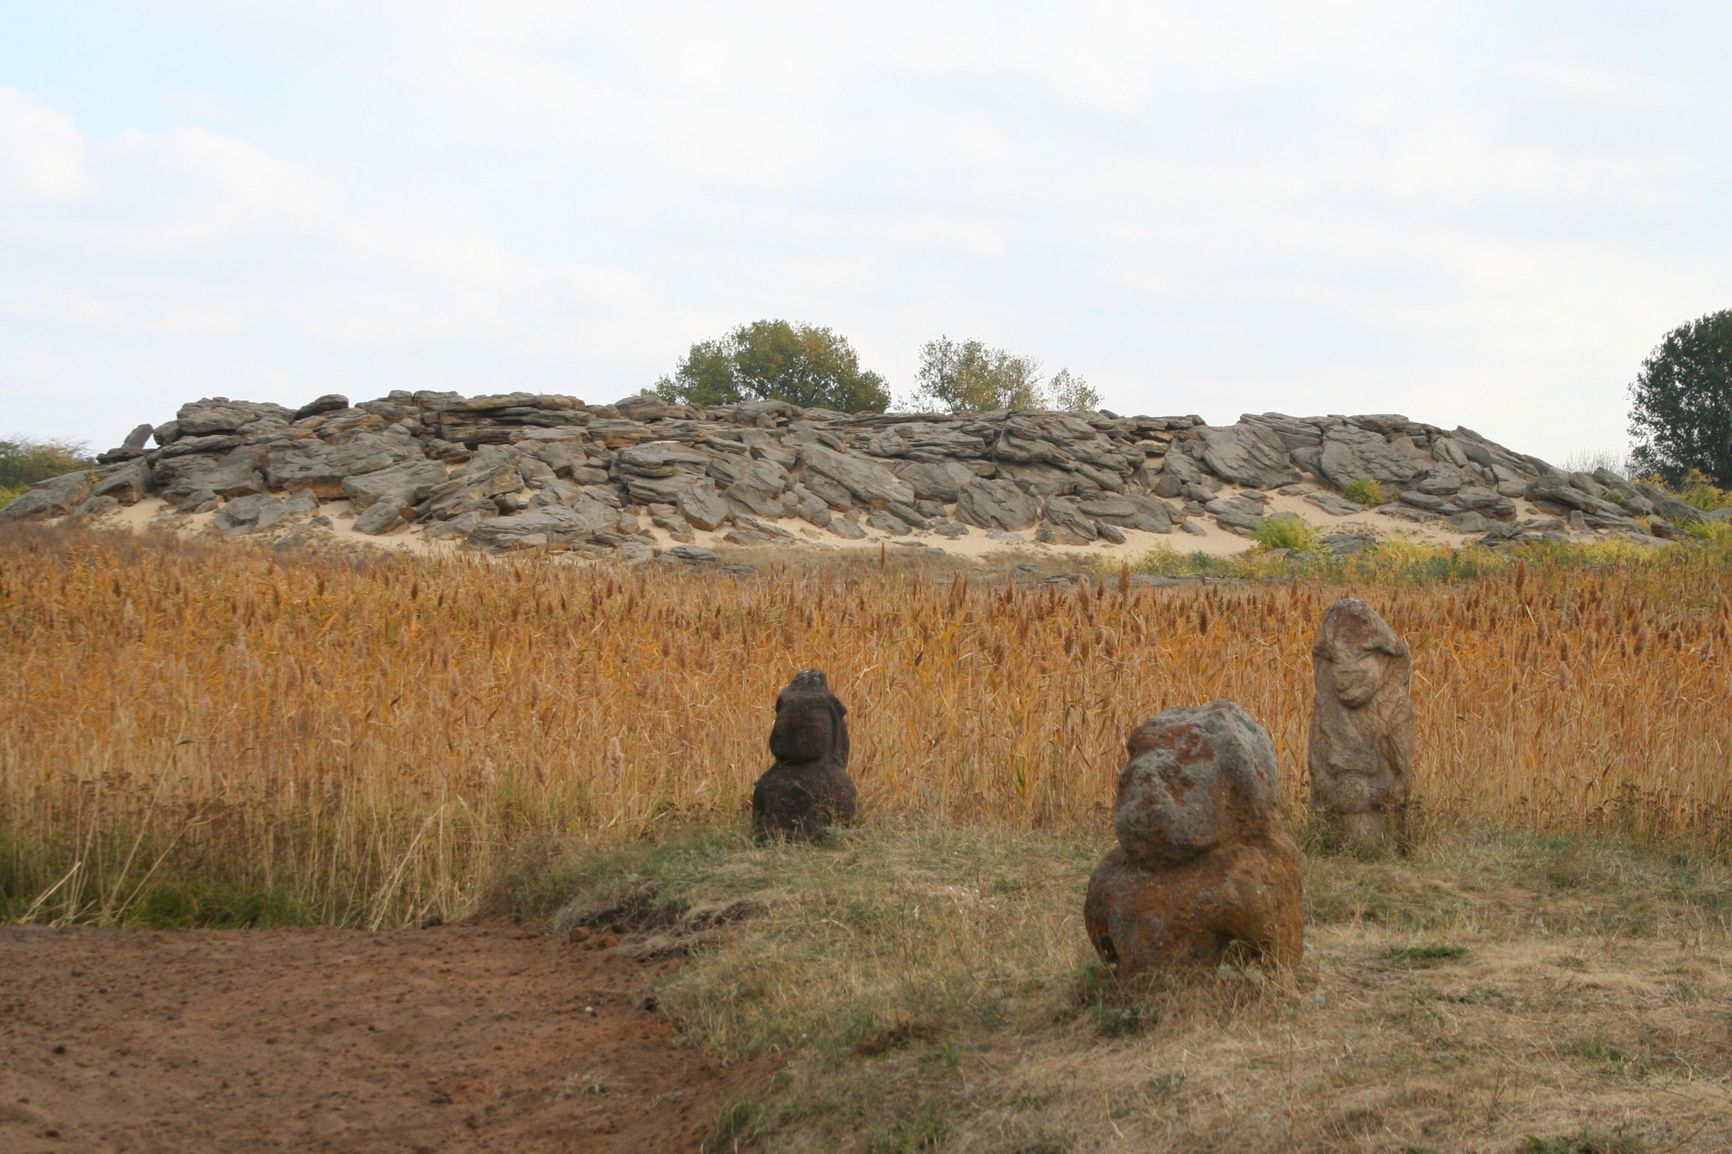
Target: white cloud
1465 209
41 152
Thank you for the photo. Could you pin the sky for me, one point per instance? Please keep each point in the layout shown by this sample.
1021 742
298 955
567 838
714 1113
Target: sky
1480 214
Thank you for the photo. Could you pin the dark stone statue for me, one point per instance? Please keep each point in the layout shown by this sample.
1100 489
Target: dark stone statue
808 788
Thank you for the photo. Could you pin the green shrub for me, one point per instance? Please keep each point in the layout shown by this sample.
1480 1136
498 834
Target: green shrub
1286 531
1365 491
25 461
1700 491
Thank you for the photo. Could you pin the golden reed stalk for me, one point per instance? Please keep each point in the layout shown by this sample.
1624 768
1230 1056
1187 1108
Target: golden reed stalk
372 732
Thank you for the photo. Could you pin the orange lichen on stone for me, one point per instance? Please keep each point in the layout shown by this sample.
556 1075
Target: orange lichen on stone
1202 861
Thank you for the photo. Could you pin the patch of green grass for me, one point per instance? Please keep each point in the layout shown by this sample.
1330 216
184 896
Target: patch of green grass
1585 1142
1425 955
1119 1021
187 902
1393 562
924 1130
1164 1086
123 881
1289 532
916 1001
1062 1144
1367 491
738 1124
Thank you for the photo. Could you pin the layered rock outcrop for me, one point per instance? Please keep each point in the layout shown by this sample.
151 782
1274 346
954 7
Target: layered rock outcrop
521 470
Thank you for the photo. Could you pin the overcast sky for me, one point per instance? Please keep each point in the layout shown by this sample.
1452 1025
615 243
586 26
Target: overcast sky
1478 214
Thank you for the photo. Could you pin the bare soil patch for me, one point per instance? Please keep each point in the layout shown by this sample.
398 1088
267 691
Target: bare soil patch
473 1037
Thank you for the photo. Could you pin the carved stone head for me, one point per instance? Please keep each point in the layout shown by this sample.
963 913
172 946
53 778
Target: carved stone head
810 723
1357 653
1196 779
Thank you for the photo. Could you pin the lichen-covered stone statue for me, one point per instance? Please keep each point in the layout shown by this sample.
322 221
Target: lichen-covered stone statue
1361 748
1202 861
808 788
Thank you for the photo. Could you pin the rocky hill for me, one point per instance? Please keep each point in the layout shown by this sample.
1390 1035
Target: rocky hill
642 475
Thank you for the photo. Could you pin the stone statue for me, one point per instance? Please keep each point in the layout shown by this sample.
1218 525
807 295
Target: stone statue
808 788
1361 748
1202 861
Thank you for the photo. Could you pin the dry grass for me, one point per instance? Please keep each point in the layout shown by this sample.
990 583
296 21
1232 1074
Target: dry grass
932 988
223 733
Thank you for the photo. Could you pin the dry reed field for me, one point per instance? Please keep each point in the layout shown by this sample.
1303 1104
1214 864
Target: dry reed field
216 733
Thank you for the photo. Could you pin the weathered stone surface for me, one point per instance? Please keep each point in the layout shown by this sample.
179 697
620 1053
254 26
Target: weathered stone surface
1338 506
846 529
55 497
1354 454
659 490
1443 480
691 555
641 407
260 511
221 415
380 518
403 485
660 459
1288 432
886 522
490 473
1242 455
807 789
329 403
701 505
323 466
127 481
930 440
1567 497
937 480
1202 860
557 525
518 452
1129 510
995 504
94 507
1426 501
1361 742
1469 522
760 487
561 452
238 473
1241 512
1482 500
867 482
832 494
811 507
1064 523
132 447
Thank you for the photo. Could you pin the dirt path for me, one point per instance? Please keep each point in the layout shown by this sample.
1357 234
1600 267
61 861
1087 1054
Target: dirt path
475 1037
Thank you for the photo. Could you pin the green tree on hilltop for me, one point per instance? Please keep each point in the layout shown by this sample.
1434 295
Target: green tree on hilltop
969 377
805 365
25 461
1681 403
1071 393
